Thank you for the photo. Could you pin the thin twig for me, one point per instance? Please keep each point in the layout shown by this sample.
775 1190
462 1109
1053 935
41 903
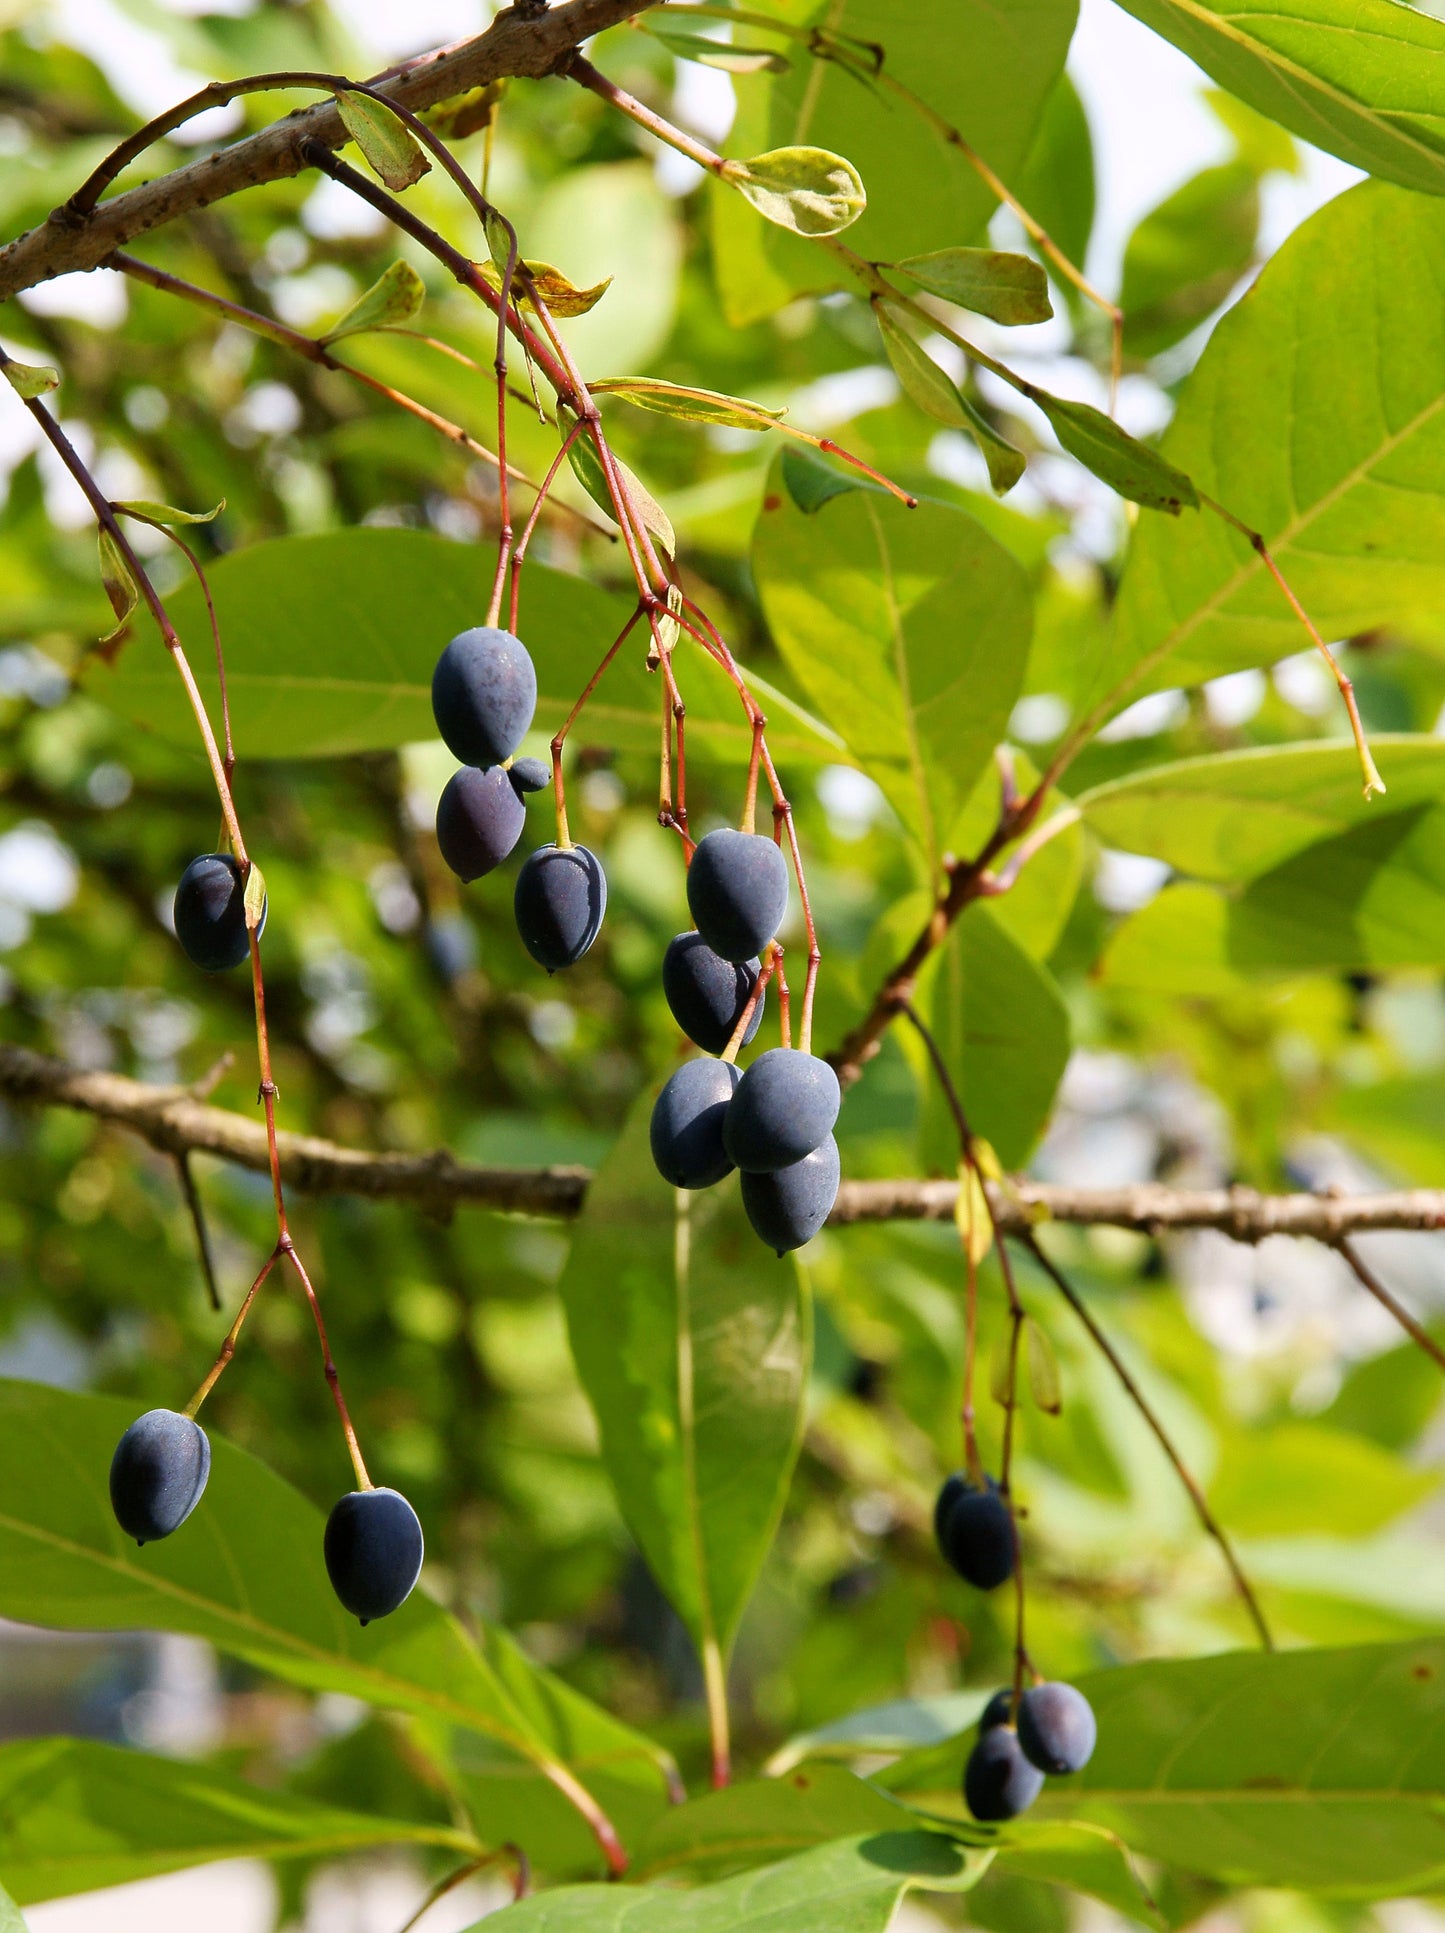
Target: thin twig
198 1223
1367 1279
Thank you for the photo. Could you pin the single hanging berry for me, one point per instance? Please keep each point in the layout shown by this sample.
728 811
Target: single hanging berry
560 898
479 820
1057 1728
789 1206
707 994
373 1548
998 1781
210 913
483 695
687 1124
737 891
975 1532
785 1107
158 1473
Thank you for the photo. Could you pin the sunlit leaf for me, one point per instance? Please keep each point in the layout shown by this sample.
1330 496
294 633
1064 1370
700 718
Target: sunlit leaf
806 190
1010 289
396 297
391 147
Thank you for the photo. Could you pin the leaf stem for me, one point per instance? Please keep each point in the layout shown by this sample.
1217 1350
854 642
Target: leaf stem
1367 1279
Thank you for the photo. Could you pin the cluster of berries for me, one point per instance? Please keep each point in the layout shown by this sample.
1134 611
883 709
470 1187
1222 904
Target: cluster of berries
373 1542
1048 1729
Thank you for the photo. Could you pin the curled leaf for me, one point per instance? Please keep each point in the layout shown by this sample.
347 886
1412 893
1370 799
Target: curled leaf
1120 460
1044 1384
688 404
120 586
465 114
30 380
938 396
811 483
668 629
255 900
557 295
1010 289
970 1214
164 513
394 298
499 240
390 146
587 467
1000 1382
687 44
808 190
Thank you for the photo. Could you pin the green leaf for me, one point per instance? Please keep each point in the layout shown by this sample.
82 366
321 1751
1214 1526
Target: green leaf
30 380
366 612
11 1919
937 396
394 298
1003 1029
1043 1366
388 144
1298 1478
987 69
693 1346
247 1575
116 580
689 44
807 190
1358 78
1348 494
587 467
164 513
848 1886
909 630
810 483
1009 288
1056 184
1321 1770
688 404
893 1728
76 1815
762 1820
1122 461
1234 815
1185 257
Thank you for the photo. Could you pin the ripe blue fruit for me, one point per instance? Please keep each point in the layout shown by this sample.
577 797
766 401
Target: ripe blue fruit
998 1781
1057 1728
707 993
210 913
789 1206
479 820
687 1124
374 1548
785 1107
529 774
483 695
559 902
975 1533
737 889
157 1474
998 1710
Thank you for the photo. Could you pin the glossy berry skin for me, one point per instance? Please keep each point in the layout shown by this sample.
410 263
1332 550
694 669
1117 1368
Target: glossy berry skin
737 890
975 1535
210 913
687 1124
998 1781
1057 1728
529 775
158 1473
479 820
374 1548
789 1206
559 902
998 1710
707 993
483 695
786 1105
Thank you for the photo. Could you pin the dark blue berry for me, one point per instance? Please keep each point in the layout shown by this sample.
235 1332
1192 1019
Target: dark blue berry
374 1548
976 1535
1057 1728
157 1474
998 1710
483 695
479 820
687 1124
559 902
707 993
998 1781
210 913
789 1206
786 1105
529 774
737 889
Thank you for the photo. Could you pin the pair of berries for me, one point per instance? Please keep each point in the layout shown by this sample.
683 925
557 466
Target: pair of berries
1052 1732
373 1543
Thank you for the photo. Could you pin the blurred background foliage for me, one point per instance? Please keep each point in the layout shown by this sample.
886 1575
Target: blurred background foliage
406 1015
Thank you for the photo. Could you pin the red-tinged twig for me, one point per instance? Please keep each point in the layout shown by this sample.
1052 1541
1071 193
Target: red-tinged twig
1367 1279
228 759
544 491
521 1880
750 797
767 966
1206 1516
333 1379
560 739
228 1347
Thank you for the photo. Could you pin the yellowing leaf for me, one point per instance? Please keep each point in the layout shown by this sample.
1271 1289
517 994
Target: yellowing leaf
558 295
120 585
688 404
394 298
808 190
30 380
255 900
164 513
970 1214
1044 1384
390 147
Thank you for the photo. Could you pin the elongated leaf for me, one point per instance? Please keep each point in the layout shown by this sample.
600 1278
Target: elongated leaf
559 296
164 513
117 582
763 1820
689 44
909 630
76 1815
1347 492
847 1886
936 394
687 404
692 1344
30 380
331 642
1122 461
390 146
1322 1770
1235 815
1009 288
893 1728
807 190
587 467
1187 254
1359 78
395 297
247 1575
